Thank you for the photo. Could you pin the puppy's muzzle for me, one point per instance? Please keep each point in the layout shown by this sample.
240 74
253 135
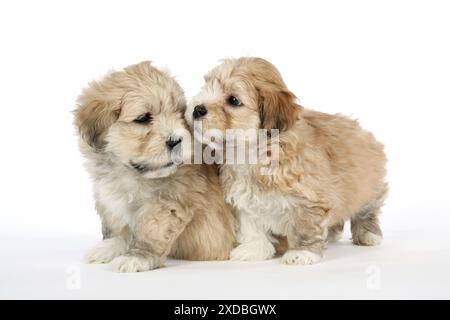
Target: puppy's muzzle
173 142
144 168
199 111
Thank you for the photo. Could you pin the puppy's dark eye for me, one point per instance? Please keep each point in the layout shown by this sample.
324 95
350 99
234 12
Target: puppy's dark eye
144 118
232 100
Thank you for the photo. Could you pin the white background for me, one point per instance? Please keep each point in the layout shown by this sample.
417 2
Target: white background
384 62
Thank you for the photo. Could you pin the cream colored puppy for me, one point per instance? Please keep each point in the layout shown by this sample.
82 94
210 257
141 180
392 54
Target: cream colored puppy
131 125
329 168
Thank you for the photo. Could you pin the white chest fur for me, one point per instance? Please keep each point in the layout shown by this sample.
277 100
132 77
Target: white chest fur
271 210
121 194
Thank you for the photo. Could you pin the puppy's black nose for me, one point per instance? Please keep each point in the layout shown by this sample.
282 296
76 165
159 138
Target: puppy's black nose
199 111
172 142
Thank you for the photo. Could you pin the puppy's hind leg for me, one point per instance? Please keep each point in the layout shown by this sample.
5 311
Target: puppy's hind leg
365 225
306 237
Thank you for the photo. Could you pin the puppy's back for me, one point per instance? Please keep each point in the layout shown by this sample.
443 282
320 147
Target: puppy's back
356 160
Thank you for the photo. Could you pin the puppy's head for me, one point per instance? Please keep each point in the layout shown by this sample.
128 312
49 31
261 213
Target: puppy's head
245 93
135 116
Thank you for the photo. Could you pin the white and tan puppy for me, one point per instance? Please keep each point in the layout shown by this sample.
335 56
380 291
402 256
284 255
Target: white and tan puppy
130 124
329 168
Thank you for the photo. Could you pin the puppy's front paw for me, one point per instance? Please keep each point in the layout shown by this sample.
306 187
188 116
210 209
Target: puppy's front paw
300 257
135 263
106 250
253 251
366 238
334 237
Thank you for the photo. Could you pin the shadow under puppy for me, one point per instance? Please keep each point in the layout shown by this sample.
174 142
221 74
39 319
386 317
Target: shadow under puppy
131 124
329 168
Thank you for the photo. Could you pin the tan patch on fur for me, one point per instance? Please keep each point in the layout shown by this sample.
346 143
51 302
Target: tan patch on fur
277 105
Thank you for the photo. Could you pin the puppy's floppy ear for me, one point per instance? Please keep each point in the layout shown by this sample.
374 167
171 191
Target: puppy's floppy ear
277 107
93 120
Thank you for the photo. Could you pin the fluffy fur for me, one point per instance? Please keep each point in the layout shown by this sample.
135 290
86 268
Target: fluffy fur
330 169
150 207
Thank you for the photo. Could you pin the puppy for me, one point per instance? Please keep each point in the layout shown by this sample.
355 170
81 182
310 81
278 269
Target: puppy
130 124
329 169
